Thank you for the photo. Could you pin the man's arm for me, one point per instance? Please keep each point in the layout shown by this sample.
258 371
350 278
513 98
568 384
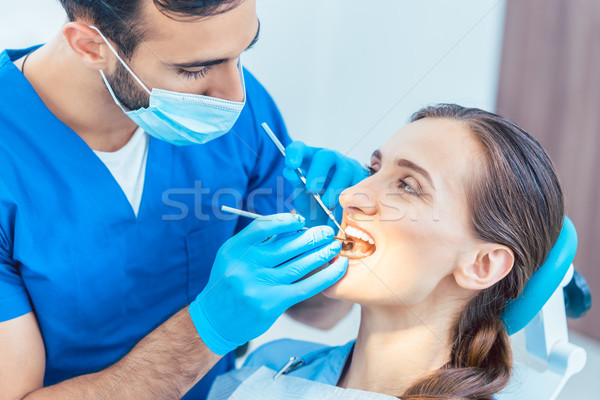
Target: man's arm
22 357
164 365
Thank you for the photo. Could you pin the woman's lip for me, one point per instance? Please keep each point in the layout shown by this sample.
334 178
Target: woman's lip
348 221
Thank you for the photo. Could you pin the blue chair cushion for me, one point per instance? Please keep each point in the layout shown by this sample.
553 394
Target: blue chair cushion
544 282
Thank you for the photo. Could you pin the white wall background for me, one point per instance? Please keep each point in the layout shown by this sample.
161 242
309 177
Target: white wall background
24 23
346 73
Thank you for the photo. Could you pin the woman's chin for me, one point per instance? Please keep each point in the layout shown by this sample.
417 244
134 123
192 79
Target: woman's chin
331 291
350 286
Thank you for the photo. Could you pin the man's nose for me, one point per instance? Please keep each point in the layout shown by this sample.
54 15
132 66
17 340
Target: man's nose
227 83
359 199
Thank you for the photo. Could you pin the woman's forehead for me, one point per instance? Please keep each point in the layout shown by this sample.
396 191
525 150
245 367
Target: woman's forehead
446 148
433 139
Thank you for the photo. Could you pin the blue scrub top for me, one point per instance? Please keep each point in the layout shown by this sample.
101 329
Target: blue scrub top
71 248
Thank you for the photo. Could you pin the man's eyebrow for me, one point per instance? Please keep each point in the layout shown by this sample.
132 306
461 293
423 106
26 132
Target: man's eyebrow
402 162
208 63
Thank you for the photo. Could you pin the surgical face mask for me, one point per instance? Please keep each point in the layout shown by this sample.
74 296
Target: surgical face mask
181 118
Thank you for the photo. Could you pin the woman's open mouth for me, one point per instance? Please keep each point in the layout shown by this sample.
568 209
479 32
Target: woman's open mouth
358 245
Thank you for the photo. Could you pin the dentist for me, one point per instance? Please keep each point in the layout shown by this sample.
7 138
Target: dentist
119 139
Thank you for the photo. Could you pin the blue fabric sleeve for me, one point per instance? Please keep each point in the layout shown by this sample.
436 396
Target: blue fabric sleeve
14 299
268 192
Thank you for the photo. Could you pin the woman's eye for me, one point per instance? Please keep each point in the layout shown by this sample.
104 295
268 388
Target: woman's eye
406 187
370 169
193 74
402 184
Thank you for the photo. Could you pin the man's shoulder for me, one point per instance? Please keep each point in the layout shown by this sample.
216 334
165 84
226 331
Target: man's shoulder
12 82
7 56
257 94
252 83
4 60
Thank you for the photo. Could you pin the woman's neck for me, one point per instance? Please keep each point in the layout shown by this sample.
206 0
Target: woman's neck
395 348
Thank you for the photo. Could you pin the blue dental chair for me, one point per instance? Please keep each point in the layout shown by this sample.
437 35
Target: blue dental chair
554 292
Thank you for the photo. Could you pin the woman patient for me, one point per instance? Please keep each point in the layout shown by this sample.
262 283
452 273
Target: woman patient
460 208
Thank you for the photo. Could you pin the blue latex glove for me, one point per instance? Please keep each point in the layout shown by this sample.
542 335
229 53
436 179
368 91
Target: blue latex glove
246 294
327 173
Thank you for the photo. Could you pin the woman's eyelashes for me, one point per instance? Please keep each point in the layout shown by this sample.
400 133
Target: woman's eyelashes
406 187
402 184
370 169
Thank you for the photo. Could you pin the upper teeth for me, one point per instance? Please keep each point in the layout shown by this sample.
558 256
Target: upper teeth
357 233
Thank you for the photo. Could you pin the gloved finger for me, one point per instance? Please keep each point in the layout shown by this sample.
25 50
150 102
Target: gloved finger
320 281
267 226
299 267
320 167
292 177
285 248
360 172
297 155
341 180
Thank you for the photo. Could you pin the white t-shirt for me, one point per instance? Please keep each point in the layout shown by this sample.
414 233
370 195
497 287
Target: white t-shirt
128 166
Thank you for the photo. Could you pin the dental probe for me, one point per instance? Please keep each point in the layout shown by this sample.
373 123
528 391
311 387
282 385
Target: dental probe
303 179
252 215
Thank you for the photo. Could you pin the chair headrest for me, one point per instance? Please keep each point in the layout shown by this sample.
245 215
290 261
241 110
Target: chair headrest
544 282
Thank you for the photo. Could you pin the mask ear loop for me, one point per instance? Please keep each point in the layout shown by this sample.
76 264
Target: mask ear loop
121 60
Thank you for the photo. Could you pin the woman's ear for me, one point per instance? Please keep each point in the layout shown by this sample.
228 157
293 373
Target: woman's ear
88 45
492 263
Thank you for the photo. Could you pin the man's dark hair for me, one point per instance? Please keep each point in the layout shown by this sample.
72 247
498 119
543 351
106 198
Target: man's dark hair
119 19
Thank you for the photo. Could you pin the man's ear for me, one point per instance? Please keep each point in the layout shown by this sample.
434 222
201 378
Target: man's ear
492 263
88 45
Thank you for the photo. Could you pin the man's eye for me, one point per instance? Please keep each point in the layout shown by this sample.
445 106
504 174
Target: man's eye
193 74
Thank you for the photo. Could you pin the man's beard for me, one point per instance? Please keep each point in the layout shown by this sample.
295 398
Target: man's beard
129 93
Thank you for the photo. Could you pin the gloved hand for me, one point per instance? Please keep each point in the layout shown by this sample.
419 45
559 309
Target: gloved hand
255 279
327 173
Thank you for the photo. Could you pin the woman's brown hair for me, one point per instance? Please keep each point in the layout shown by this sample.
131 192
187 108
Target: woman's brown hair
515 200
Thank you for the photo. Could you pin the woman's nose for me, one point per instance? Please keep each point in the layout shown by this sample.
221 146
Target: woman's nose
359 199
227 83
